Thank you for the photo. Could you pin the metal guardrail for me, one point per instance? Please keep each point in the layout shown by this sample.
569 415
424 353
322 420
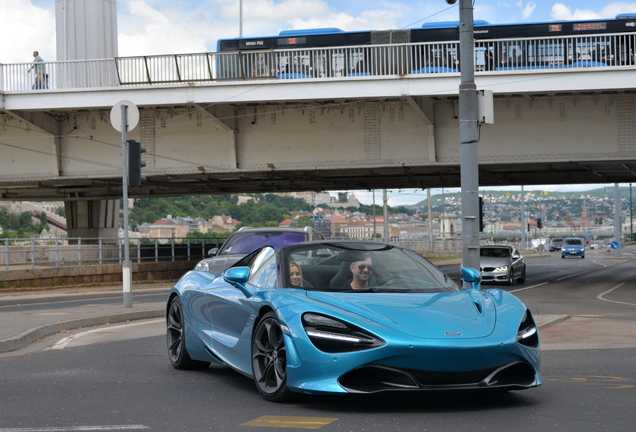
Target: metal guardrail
81 251
546 54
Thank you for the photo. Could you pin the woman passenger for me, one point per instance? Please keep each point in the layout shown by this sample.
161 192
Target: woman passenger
295 275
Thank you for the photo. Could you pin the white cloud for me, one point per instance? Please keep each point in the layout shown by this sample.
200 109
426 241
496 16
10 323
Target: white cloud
528 9
144 30
561 11
25 28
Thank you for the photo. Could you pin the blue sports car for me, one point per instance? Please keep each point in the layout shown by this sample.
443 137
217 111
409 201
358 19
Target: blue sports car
351 317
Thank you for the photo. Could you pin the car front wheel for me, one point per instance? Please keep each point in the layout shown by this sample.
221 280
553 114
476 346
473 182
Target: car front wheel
269 359
510 278
522 279
177 351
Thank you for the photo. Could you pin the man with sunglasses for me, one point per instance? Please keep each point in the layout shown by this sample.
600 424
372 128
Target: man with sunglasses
362 271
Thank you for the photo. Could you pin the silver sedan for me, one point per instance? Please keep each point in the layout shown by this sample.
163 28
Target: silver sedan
502 264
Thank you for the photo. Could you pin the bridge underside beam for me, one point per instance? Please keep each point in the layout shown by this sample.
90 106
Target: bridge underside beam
337 179
407 142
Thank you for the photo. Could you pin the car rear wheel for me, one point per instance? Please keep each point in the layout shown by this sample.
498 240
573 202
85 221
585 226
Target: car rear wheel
177 351
269 359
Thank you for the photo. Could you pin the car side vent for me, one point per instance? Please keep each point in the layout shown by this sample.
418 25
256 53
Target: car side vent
479 307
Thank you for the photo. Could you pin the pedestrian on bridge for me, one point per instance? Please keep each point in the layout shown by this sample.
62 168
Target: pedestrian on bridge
40 72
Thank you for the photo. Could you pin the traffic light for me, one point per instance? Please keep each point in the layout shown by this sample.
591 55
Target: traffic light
481 214
539 223
135 164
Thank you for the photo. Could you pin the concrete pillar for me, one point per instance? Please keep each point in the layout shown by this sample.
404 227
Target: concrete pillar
86 29
92 219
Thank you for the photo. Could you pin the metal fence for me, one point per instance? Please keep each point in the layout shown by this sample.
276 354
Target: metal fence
546 54
57 252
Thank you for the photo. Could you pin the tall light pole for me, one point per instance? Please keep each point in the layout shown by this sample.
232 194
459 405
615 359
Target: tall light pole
468 137
631 217
240 18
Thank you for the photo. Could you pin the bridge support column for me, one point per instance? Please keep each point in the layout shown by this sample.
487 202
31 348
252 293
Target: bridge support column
92 219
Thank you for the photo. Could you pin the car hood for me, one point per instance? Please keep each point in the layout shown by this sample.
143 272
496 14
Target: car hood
221 262
464 314
494 262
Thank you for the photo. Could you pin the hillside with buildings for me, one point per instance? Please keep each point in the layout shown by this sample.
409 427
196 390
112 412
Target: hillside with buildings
342 215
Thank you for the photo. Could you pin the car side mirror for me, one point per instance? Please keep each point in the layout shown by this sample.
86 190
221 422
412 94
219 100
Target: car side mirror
237 276
213 251
472 276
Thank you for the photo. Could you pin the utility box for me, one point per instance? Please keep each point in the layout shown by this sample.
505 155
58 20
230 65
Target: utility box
485 107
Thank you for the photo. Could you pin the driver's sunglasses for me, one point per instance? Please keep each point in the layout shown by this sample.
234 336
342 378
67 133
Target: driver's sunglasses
362 267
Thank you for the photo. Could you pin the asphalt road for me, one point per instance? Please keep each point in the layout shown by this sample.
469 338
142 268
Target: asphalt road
119 378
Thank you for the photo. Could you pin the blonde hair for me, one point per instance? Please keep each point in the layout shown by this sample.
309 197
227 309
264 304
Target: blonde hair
300 270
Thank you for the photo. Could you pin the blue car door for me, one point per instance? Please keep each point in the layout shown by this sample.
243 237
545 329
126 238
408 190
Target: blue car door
232 312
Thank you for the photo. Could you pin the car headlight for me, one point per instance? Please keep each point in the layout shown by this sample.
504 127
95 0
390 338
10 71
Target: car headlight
503 268
528 334
334 336
202 266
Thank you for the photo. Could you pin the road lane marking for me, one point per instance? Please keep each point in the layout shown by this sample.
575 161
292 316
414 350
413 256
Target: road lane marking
570 276
290 422
530 287
77 428
61 344
600 296
593 381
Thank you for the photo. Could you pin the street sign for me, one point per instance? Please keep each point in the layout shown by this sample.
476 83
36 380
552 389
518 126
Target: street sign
132 112
614 245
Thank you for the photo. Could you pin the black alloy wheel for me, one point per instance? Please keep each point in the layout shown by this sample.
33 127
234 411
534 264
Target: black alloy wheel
269 359
176 339
511 277
522 279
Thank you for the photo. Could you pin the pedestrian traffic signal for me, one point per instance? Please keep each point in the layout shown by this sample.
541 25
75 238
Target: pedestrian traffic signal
135 164
539 223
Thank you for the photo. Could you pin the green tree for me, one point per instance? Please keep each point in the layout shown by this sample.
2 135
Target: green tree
303 221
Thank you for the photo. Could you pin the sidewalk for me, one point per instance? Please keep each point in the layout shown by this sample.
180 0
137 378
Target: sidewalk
21 328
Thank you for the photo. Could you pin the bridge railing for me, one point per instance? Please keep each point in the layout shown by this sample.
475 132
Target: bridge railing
55 252
79 74
547 54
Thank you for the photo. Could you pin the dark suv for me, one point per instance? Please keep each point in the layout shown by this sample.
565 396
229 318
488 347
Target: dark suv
248 239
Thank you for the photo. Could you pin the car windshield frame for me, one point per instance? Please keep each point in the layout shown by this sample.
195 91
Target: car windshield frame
495 252
248 241
573 242
326 267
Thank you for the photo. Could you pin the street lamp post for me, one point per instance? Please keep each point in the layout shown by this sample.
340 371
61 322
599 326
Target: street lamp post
631 217
240 18
468 137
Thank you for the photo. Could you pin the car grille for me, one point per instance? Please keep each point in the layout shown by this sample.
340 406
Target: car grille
377 378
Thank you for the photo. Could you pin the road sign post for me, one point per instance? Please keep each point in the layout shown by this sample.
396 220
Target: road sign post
128 119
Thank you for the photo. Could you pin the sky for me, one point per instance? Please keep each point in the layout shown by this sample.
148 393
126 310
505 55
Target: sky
149 27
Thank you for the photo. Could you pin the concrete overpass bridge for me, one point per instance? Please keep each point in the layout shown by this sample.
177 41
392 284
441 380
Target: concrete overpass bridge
392 127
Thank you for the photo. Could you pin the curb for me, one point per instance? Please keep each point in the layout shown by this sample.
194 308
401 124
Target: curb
29 336
22 300
554 320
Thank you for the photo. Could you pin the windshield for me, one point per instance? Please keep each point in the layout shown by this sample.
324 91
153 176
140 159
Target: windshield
246 242
495 252
361 267
574 241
